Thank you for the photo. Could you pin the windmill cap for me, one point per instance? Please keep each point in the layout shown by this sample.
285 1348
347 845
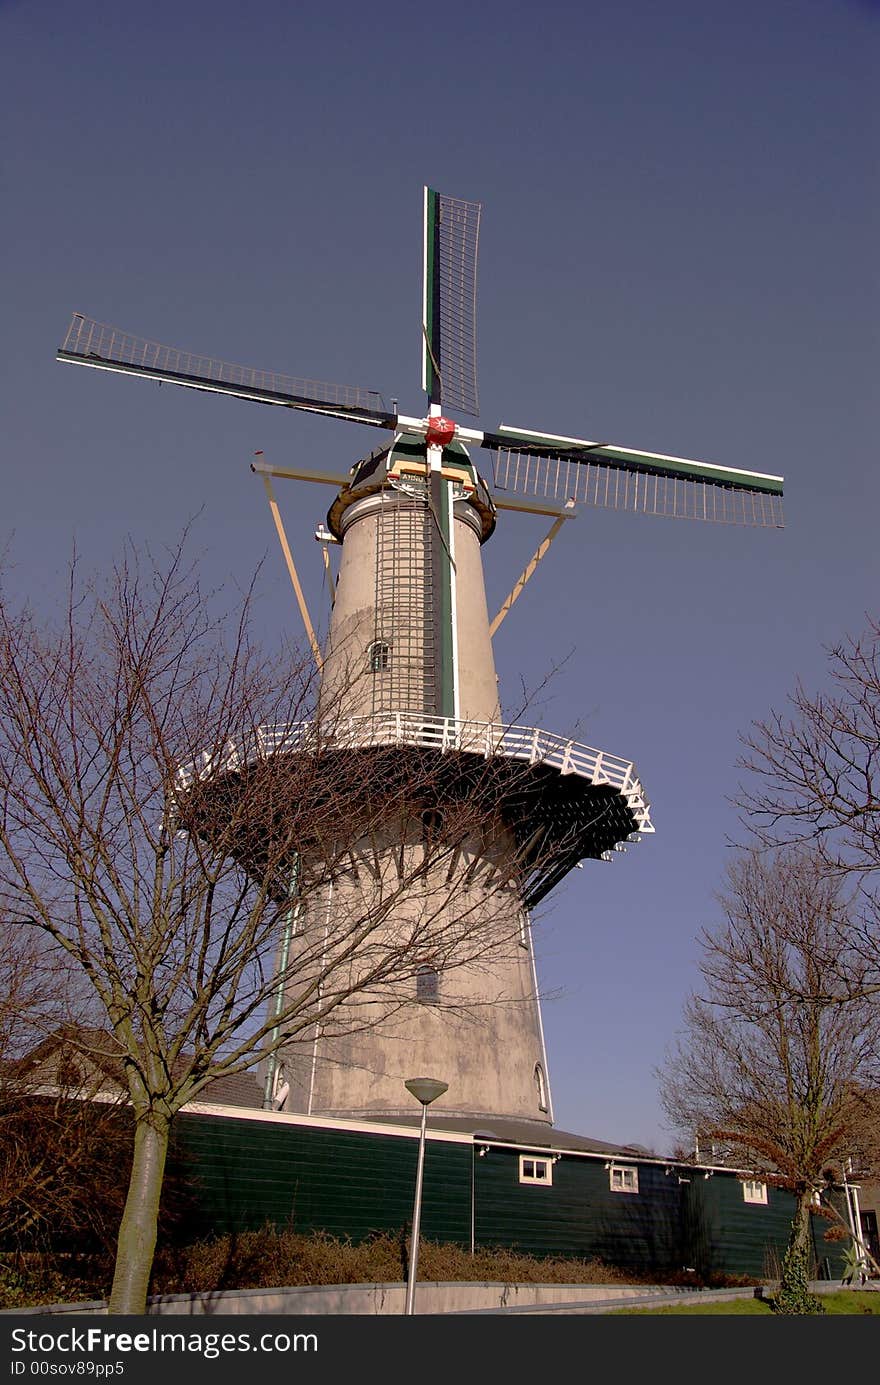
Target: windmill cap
406 460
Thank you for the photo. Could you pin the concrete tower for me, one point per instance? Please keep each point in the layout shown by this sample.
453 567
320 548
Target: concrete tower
409 664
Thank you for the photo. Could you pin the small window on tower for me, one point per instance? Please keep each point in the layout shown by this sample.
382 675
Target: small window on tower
379 654
280 1088
432 823
541 1085
523 929
427 986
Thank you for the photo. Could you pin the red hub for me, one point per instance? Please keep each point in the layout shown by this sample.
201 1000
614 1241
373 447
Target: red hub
440 431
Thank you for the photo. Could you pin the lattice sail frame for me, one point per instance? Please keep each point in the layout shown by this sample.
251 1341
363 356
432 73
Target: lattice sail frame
540 467
88 342
615 486
452 235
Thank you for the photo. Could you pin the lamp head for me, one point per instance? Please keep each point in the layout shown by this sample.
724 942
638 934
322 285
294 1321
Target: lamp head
425 1089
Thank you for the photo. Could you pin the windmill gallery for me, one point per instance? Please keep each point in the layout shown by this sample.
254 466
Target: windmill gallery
408 677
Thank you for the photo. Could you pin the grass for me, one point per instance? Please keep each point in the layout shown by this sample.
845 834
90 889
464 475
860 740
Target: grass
842 1301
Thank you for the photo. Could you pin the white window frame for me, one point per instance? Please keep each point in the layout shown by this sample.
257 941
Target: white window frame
622 1186
755 1191
528 1170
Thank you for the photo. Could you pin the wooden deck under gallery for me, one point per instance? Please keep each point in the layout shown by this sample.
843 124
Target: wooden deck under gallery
563 801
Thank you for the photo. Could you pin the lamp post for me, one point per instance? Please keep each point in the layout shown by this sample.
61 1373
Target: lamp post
425 1090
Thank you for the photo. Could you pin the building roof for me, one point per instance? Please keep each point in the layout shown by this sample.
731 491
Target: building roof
532 1134
88 1060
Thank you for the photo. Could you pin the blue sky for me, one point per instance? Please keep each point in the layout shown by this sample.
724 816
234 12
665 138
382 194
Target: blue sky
678 253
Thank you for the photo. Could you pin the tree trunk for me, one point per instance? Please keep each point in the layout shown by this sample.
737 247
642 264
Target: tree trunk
794 1295
136 1245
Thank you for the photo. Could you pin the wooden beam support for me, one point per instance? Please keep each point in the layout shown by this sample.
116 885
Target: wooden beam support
291 473
529 569
291 566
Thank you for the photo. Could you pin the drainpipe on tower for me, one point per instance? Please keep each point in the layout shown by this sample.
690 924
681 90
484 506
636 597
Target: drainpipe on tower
290 916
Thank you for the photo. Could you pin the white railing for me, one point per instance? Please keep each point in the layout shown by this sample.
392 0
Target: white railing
488 739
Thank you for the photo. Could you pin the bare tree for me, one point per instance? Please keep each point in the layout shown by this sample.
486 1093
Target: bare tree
167 800
815 778
775 1060
62 1157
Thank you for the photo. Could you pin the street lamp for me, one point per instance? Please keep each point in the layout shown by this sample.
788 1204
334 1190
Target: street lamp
425 1090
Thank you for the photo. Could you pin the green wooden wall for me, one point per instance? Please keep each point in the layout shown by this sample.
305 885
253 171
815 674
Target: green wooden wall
677 1220
244 1173
305 1178
731 1235
578 1215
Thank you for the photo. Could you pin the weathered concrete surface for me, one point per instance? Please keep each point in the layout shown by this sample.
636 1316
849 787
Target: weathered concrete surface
458 1297
453 1297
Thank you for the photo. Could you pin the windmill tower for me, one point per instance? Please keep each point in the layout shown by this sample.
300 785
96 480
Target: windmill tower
408 667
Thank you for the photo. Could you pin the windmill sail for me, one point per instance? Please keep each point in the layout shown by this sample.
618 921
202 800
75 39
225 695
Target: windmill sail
108 348
449 371
607 476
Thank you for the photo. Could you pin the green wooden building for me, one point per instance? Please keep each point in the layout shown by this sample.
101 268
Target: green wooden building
560 1195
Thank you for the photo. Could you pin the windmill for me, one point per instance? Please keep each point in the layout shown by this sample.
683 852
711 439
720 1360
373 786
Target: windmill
408 660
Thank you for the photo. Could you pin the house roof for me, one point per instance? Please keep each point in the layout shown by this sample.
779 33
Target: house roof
76 1056
241 1089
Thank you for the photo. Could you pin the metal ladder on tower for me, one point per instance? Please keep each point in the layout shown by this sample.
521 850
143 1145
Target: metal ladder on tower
404 606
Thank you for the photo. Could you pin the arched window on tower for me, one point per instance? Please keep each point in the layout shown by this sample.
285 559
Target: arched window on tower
432 824
280 1088
541 1084
427 985
379 656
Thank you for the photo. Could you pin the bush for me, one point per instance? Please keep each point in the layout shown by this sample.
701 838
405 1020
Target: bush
28 1279
269 1258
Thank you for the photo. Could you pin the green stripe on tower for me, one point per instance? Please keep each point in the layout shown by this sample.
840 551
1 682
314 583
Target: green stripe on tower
441 577
447 665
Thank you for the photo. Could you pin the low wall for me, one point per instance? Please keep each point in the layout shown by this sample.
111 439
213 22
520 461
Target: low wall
456 1296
